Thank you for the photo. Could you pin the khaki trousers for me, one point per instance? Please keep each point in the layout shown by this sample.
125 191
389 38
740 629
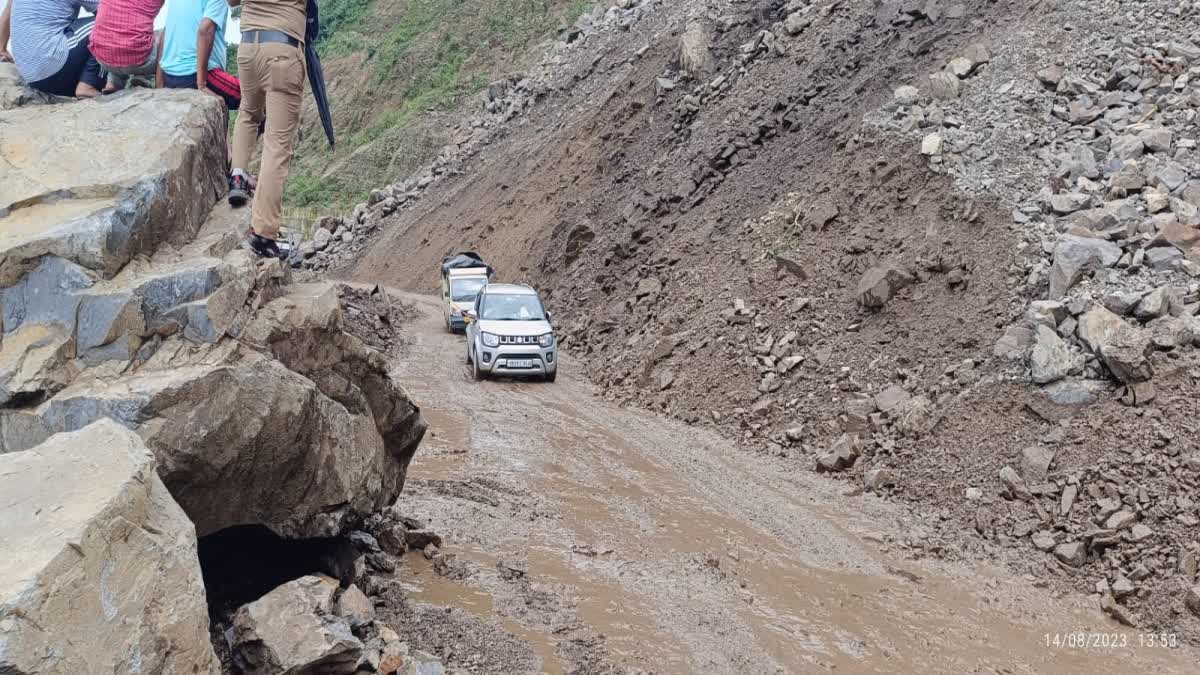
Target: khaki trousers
272 78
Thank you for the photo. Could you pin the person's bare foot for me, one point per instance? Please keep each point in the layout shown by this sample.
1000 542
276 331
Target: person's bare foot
85 90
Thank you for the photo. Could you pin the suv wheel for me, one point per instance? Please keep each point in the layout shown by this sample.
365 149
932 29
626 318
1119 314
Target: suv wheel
475 371
552 375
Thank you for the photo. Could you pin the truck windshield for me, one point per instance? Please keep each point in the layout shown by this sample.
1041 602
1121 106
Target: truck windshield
465 289
504 307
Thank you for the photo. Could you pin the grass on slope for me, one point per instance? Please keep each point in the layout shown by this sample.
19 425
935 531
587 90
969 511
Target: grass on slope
388 64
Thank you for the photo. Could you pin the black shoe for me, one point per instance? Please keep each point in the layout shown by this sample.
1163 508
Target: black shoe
265 248
239 191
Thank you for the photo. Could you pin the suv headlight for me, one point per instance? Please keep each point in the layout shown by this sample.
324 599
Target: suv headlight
546 340
490 340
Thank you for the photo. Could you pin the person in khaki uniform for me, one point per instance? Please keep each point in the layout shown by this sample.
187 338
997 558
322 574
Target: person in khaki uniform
271 68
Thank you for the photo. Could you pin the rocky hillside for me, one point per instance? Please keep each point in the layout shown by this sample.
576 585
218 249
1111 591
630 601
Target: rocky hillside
941 250
162 391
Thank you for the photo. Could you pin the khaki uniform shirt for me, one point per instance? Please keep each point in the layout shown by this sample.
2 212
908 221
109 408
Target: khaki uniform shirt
283 15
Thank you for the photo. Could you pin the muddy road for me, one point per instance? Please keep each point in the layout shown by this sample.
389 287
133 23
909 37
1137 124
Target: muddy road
596 539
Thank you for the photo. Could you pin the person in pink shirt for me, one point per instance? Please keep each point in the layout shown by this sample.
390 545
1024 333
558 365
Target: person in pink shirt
124 41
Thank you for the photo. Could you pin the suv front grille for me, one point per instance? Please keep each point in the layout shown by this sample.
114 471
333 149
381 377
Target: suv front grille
518 339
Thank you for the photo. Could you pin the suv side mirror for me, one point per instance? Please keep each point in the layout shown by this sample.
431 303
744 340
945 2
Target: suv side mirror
549 316
470 314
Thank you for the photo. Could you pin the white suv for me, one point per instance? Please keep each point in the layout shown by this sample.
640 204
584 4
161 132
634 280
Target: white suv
509 333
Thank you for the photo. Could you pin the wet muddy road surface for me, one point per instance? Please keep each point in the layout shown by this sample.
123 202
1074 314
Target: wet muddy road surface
609 540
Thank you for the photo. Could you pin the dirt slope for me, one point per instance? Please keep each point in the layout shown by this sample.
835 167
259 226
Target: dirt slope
648 211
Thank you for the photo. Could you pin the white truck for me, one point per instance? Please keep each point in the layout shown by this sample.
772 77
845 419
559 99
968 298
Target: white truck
463 276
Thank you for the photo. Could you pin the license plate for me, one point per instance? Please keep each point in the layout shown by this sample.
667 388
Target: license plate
520 363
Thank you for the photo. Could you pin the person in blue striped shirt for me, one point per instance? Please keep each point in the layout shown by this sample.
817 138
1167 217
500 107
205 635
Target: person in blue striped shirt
50 45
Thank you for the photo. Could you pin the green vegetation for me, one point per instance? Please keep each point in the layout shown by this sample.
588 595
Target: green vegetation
231 51
389 63
339 16
309 190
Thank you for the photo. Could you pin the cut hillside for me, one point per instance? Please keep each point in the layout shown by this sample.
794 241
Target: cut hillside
394 69
881 221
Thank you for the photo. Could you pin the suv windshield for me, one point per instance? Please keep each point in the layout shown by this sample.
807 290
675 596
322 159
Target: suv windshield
465 289
506 307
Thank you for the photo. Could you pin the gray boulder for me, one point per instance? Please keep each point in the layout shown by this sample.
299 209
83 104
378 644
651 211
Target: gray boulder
99 571
1069 202
304 436
1015 344
163 168
1051 359
355 607
293 630
1097 326
60 310
844 453
321 239
944 85
1126 354
1073 554
1074 256
1122 347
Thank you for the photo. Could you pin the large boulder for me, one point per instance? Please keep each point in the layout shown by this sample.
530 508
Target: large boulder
240 438
304 331
293 630
99 571
297 426
61 316
99 182
153 371
77 227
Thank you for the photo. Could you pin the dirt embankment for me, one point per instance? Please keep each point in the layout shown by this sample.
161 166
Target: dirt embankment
703 242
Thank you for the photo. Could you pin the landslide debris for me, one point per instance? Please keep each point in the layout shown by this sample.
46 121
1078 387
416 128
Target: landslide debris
716 249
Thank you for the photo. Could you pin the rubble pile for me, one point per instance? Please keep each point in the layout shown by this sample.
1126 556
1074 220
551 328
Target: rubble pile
1108 124
1088 136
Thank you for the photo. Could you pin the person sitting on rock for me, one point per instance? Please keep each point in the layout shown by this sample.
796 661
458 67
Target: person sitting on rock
50 46
124 41
194 51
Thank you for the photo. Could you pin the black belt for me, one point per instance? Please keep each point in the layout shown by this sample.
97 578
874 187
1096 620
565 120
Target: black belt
259 36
